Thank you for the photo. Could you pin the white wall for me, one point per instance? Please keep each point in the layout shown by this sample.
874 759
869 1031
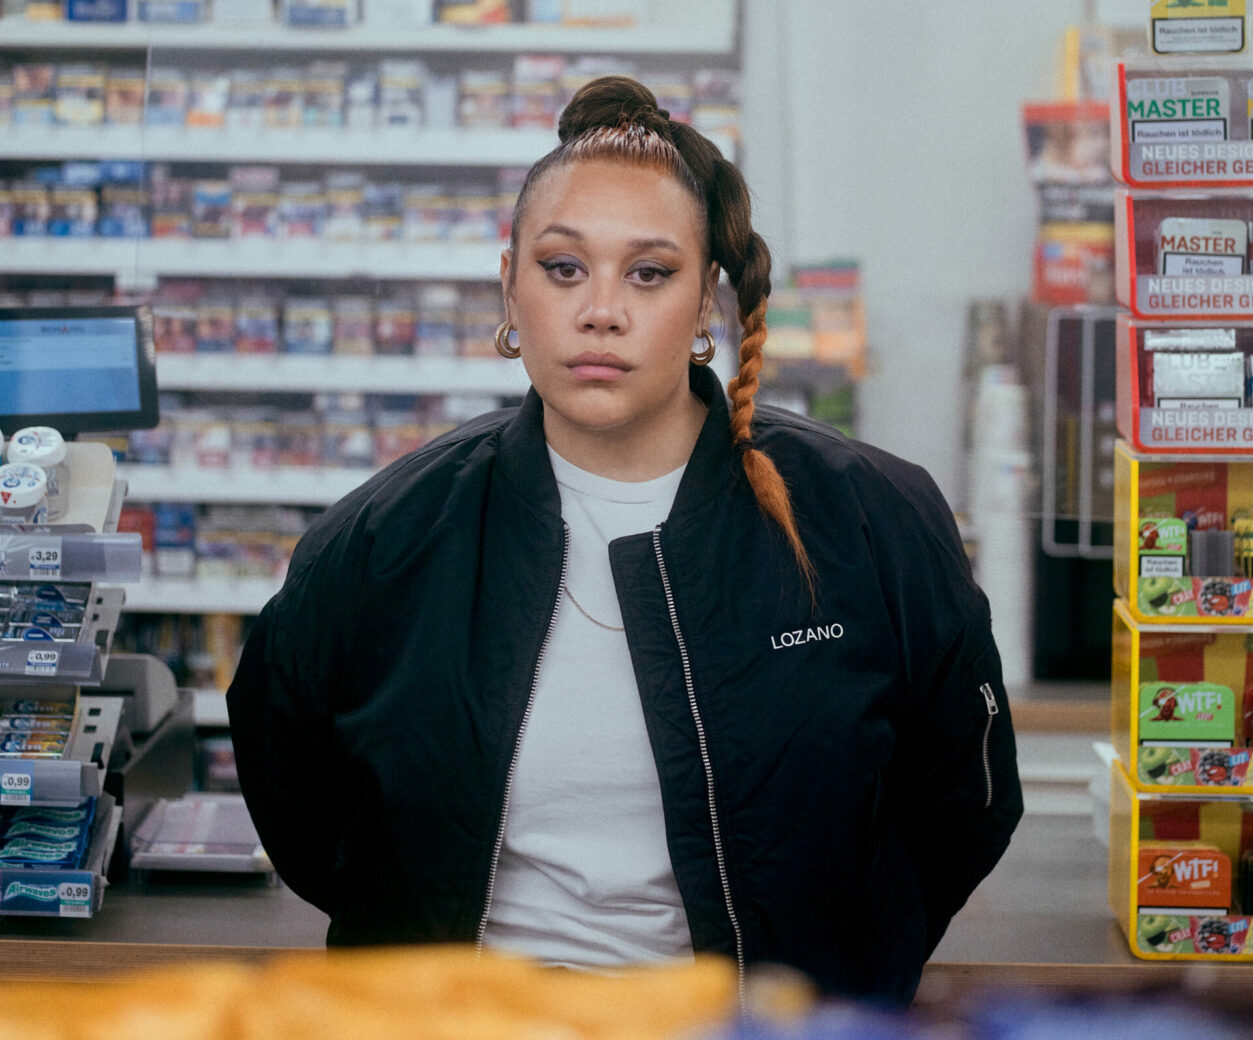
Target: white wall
891 133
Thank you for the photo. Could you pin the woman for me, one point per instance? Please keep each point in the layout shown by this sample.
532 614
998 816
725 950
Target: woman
584 680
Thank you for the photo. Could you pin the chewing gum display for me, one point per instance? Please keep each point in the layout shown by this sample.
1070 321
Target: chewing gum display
33 745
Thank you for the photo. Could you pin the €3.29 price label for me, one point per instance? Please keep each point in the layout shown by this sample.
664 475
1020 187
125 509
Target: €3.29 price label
45 560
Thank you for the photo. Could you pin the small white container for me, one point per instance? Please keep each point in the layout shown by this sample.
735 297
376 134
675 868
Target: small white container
44 447
23 494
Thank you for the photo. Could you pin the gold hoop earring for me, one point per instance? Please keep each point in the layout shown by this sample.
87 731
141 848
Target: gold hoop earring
707 355
503 347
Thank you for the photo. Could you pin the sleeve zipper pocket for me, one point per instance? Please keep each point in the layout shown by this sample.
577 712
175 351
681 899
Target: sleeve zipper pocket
989 698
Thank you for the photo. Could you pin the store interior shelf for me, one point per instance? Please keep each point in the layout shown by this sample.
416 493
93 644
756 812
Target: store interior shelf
200 595
707 35
323 147
339 373
252 258
282 485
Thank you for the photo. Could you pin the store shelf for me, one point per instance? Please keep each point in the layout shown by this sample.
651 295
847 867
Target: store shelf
283 485
200 595
317 146
705 29
251 258
338 374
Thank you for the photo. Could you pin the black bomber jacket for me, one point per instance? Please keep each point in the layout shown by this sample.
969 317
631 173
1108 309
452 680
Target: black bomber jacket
837 773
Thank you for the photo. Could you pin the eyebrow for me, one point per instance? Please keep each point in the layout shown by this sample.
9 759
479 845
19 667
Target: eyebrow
635 243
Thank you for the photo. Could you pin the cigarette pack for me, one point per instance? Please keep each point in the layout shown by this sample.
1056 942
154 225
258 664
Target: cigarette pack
254 201
395 325
484 99
427 213
439 306
345 196
34 93
32 206
246 110
215 326
124 96
80 95
308 325
382 212
96 10
1196 248
1198 379
474 12
73 211
256 324
537 90
6 97
171 201
353 325
208 95
301 209
476 217
400 93
123 211
167 97
325 84
284 98
361 99
177 11
323 14
211 209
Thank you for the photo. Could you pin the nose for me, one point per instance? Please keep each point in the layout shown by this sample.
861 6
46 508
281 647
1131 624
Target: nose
604 307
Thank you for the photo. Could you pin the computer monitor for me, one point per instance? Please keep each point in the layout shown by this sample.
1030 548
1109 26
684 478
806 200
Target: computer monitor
77 369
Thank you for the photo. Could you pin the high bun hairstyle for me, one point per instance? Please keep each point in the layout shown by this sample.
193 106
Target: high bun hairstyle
618 119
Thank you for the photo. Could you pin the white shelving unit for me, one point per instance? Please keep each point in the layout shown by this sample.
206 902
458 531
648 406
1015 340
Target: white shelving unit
129 258
692 33
337 373
695 27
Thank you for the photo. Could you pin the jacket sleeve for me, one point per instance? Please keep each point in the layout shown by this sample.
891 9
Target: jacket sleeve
953 789
962 799
281 722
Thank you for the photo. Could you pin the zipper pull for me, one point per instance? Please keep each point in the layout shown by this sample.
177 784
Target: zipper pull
990 697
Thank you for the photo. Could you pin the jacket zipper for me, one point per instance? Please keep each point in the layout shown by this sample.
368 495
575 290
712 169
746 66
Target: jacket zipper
715 826
990 699
517 746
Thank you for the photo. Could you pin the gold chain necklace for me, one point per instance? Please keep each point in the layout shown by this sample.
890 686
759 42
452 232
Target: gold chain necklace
579 607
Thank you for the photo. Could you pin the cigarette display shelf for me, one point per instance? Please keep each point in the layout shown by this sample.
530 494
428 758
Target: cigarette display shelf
1178 706
706 28
314 146
1181 386
1157 501
1139 244
281 485
60 892
1139 822
135 261
1182 123
339 373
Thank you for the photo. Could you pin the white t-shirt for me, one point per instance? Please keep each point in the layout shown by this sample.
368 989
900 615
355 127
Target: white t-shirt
584 878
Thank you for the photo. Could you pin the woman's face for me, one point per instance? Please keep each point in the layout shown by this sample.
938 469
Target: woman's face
608 289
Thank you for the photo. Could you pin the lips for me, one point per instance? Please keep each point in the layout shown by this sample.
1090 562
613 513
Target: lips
598 367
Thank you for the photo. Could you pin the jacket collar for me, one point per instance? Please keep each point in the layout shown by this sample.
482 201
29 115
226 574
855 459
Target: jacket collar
524 454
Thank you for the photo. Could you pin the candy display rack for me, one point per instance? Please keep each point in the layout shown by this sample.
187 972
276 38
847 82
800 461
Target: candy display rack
48 665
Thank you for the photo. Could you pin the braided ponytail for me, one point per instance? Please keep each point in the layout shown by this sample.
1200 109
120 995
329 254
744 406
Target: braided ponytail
616 118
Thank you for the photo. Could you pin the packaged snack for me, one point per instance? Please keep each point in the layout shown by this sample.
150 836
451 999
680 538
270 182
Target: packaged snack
1184 874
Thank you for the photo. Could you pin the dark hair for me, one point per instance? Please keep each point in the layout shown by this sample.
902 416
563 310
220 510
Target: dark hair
616 118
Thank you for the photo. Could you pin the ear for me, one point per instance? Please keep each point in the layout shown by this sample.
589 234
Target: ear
707 296
506 280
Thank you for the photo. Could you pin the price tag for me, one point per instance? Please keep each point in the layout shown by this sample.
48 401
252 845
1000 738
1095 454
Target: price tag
42 662
15 787
75 898
45 559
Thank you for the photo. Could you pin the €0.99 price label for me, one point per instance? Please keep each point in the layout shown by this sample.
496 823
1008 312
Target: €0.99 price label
42 662
15 787
44 560
75 898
